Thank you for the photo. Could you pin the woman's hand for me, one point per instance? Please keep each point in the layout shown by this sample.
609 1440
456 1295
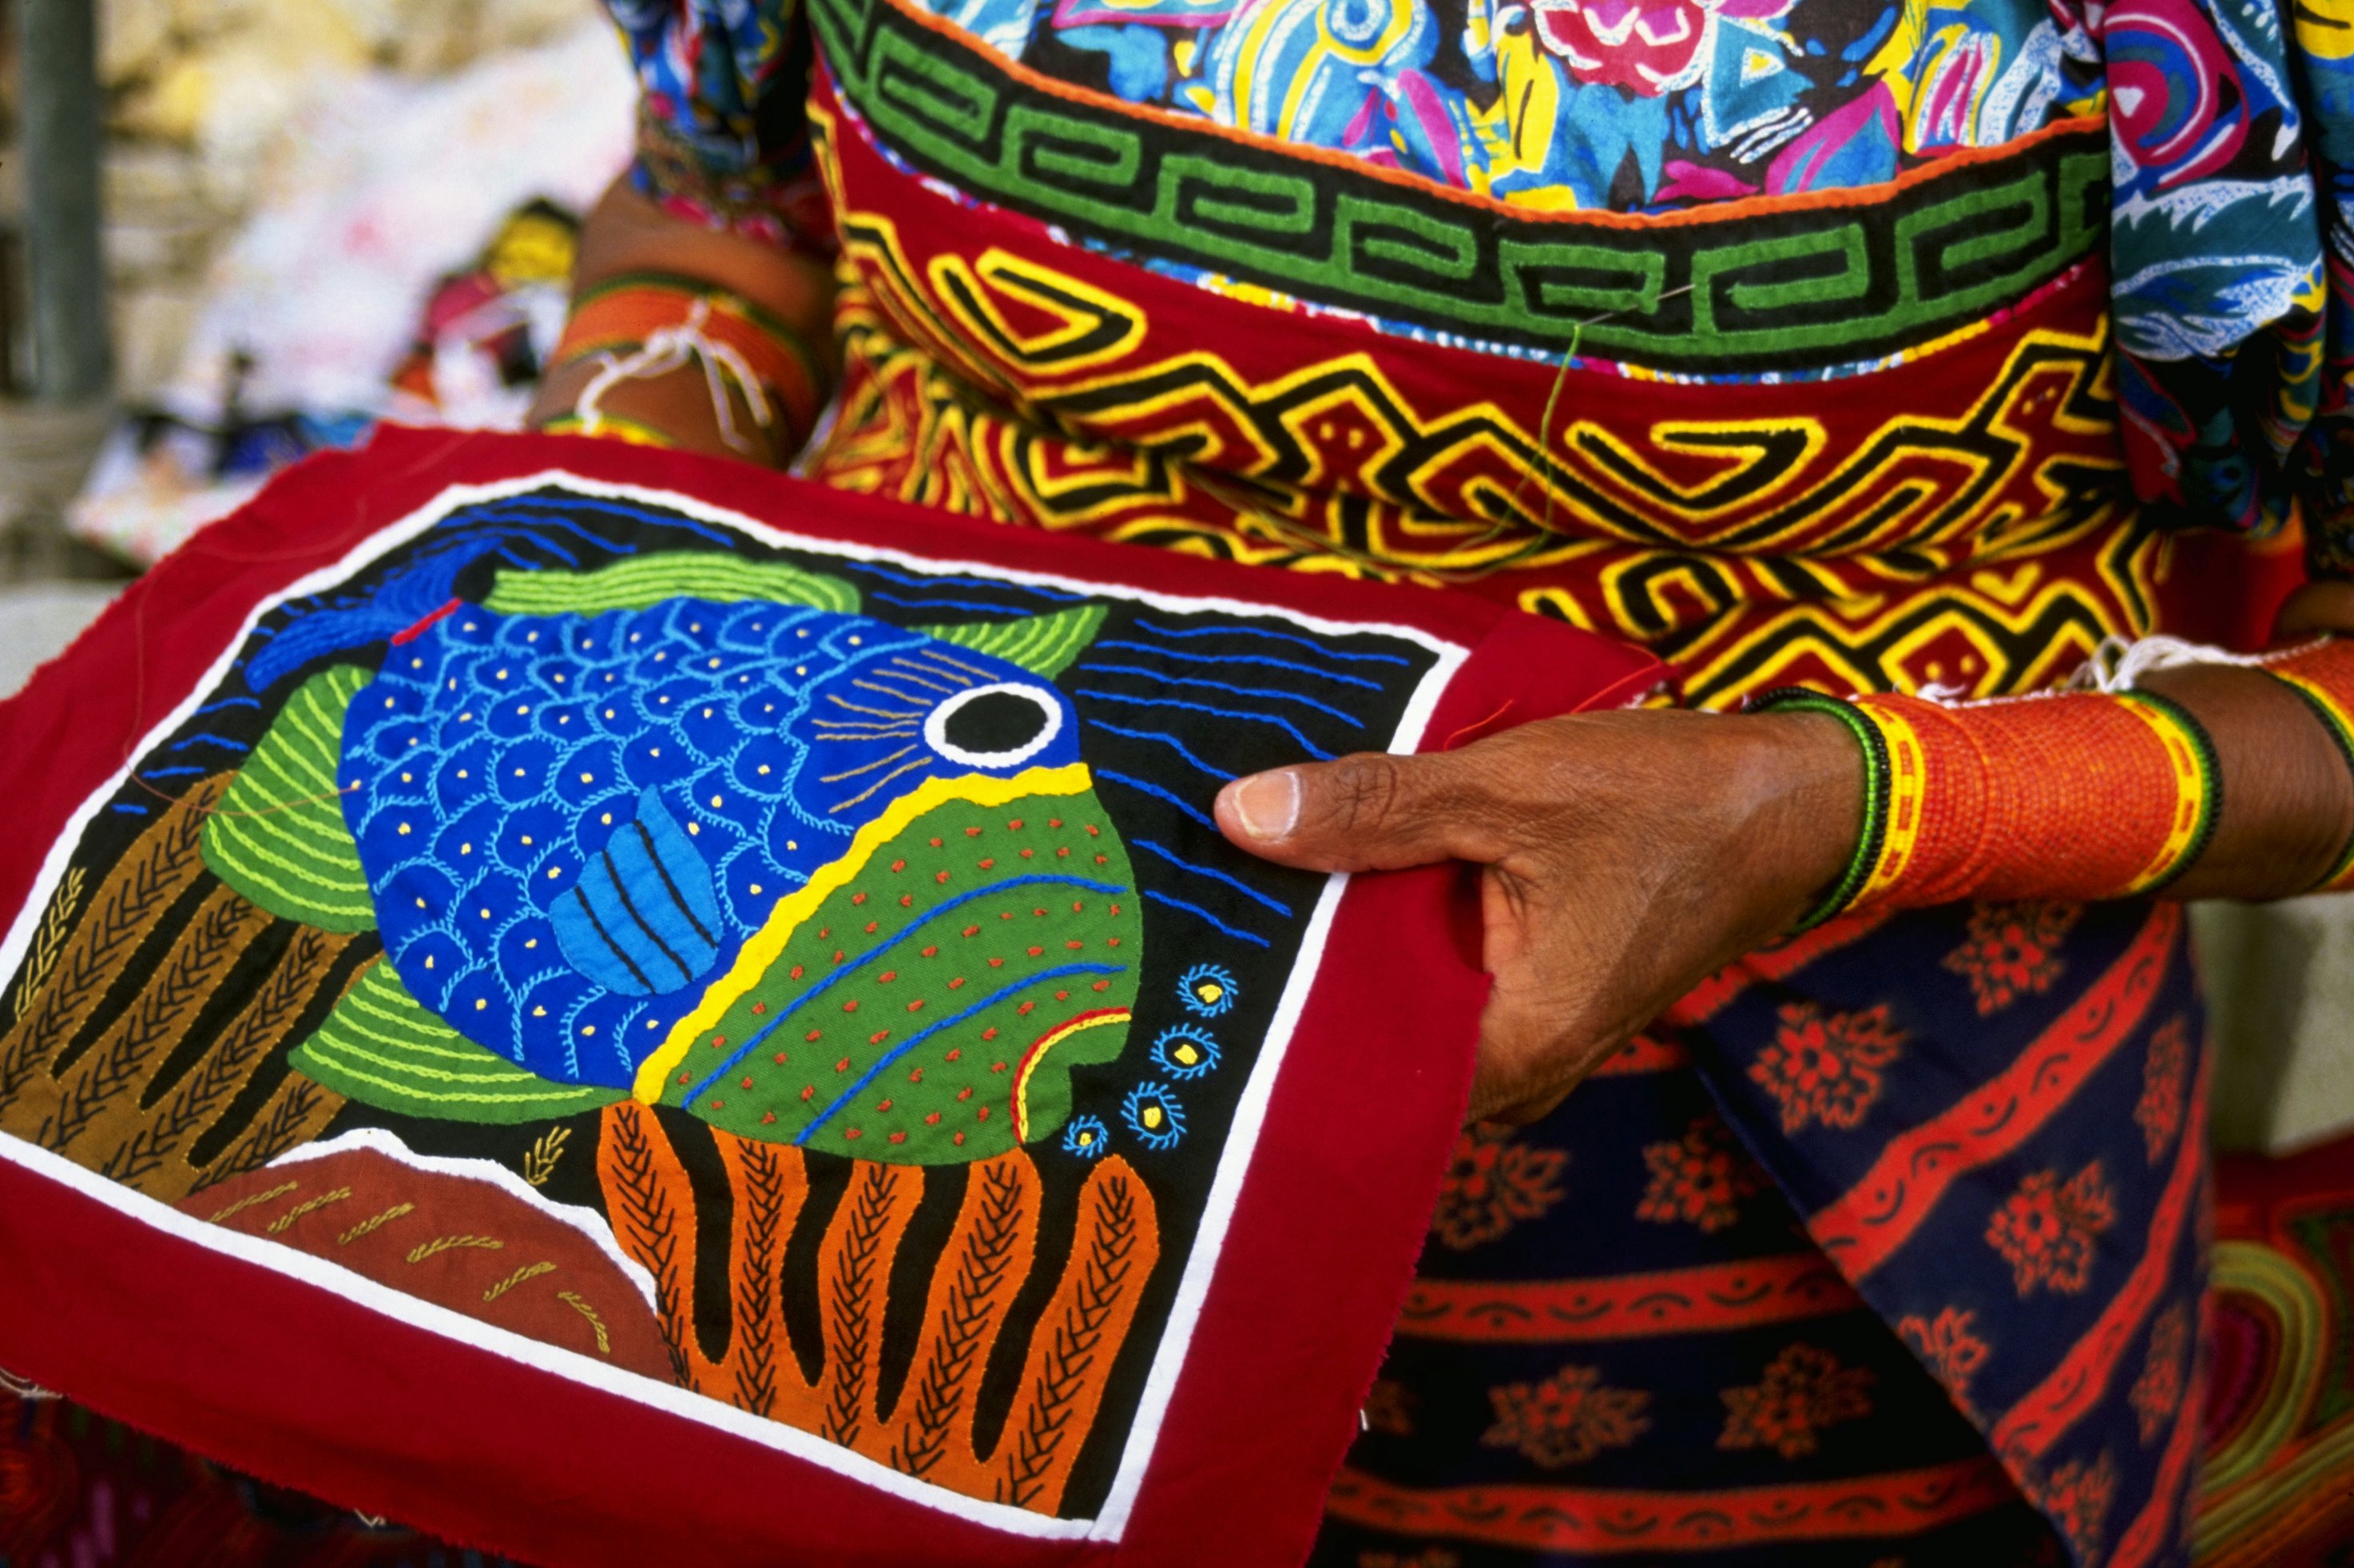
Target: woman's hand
1625 857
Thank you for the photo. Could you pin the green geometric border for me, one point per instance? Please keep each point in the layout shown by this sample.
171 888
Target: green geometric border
1794 288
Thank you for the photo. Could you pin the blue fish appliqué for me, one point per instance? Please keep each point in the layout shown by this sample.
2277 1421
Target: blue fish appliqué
641 920
569 823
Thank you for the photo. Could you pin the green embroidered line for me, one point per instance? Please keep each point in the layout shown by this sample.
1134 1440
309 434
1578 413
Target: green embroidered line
1876 787
1872 267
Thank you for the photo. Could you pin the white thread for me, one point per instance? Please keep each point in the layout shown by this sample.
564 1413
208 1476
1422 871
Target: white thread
2119 663
675 348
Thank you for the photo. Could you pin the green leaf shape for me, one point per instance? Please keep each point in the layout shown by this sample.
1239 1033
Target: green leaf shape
928 981
1042 644
278 834
383 1047
642 580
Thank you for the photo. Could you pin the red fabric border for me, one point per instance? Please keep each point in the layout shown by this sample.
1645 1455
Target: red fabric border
317 1392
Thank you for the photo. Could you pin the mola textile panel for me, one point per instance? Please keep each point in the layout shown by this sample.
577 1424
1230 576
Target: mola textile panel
624 1008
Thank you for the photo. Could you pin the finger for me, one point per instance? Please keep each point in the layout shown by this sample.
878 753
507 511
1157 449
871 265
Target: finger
1371 811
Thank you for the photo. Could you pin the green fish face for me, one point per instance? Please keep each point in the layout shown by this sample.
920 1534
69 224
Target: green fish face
924 999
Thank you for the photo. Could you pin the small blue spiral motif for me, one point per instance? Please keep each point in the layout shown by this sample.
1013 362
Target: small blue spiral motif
1185 1051
1153 1114
1207 990
1086 1137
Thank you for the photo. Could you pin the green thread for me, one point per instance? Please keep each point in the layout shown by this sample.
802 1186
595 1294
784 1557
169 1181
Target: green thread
278 834
1876 784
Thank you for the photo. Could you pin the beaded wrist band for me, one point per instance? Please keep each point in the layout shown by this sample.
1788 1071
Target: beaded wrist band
2323 674
647 323
2069 796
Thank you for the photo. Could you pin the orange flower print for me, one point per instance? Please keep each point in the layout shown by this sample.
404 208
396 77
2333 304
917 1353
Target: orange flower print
1805 1391
2045 1230
1826 1067
2012 951
1567 1419
1700 1178
2158 1393
1389 1408
1492 1184
2076 1497
1948 1346
2159 1111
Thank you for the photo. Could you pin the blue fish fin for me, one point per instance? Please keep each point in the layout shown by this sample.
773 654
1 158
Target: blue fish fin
643 919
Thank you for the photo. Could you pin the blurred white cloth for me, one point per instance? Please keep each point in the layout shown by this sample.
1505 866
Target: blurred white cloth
36 623
372 193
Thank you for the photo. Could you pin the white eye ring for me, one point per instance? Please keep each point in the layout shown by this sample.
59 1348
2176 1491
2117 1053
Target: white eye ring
936 725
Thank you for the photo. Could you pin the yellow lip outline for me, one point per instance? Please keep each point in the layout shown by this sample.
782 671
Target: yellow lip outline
765 947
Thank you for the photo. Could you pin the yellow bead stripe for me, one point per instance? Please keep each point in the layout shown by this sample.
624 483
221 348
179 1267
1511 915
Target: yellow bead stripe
610 427
1908 795
2188 757
2340 721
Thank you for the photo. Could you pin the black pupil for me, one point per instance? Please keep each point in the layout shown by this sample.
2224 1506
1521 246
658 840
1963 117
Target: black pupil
995 721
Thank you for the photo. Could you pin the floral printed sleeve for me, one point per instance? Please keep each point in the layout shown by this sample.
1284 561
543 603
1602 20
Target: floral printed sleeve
723 133
2231 130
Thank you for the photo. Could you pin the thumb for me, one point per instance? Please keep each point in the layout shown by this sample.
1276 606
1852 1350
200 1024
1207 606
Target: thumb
1371 811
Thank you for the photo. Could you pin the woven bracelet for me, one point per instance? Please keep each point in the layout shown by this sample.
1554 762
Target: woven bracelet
2315 674
1873 842
2199 784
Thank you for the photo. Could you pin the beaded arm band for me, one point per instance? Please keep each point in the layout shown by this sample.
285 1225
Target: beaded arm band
2069 796
642 324
2323 674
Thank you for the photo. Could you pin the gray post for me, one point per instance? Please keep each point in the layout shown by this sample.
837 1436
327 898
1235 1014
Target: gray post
59 55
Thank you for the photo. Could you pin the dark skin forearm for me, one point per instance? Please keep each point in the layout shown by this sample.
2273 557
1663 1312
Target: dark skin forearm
627 233
1626 856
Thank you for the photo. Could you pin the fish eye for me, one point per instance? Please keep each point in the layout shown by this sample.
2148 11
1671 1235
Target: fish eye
995 725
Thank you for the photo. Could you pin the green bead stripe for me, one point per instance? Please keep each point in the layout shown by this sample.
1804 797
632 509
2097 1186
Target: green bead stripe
2211 778
1799 287
1876 786
2343 739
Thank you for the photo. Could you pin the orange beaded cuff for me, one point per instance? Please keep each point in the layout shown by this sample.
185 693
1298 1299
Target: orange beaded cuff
618 317
2069 796
2323 674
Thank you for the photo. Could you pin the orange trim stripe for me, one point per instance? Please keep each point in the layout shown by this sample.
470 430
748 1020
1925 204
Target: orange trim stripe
1712 1298
1596 1521
1865 1224
2029 1428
